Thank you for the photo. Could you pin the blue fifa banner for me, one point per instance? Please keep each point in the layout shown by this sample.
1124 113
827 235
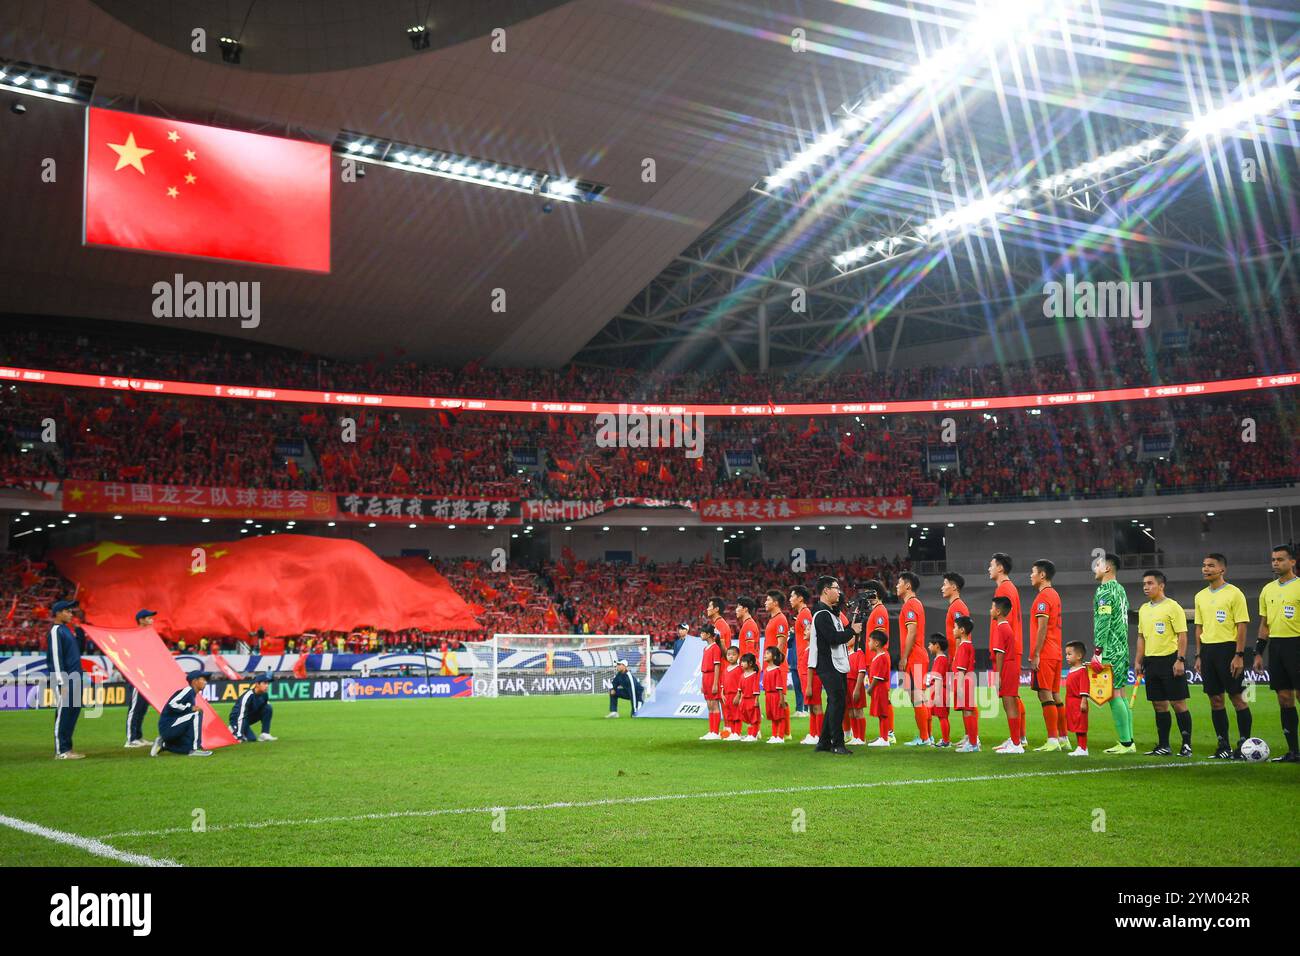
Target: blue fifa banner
679 693
407 688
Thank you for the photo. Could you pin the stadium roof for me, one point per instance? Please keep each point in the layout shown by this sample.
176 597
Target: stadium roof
712 92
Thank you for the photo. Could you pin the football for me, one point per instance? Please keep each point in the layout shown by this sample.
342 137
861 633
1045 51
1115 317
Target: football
1255 749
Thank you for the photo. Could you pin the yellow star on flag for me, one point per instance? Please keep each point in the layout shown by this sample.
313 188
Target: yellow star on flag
190 179
76 494
172 192
129 154
189 154
173 135
108 549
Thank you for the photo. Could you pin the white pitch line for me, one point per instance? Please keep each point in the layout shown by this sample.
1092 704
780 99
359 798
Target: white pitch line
658 798
91 845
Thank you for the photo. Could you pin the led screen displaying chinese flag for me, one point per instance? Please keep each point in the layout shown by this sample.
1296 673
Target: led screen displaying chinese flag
180 188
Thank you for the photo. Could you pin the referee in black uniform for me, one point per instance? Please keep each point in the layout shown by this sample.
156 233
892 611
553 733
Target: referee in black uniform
828 654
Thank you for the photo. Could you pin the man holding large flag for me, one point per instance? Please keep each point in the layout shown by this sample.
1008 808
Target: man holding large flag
137 706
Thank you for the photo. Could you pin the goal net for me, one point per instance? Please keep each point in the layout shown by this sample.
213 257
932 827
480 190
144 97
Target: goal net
521 665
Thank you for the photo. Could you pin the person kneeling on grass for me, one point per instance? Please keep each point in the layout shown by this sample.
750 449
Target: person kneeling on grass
627 687
180 724
252 707
1076 697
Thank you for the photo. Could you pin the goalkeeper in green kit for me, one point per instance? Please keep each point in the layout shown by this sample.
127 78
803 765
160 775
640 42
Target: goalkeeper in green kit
1110 639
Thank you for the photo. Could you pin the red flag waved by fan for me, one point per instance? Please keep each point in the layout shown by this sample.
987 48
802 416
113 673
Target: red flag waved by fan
160 185
223 665
300 665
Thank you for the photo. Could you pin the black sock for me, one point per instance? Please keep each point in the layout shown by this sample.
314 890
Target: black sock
1220 718
1290 724
1184 719
1163 720
1243 723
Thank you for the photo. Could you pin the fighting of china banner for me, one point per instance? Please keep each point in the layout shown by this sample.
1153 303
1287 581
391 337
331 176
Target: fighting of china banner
804 509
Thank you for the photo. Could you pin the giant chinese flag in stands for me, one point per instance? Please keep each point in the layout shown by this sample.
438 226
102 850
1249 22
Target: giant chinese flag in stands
181 188
286 584
143 659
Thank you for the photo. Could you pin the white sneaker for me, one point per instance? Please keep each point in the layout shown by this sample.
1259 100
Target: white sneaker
733 738
1006 743
199 753
156 748
69 755
1064 742
269 737
136 743
776 740
1077 752
711 736
748 739
801 713
810 739
966 747
917 742
1024 741
854 742
892 738
879 742
965 739
612 713
1017 749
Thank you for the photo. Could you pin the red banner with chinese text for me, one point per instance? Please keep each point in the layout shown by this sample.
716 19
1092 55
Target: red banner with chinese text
195 502
744 510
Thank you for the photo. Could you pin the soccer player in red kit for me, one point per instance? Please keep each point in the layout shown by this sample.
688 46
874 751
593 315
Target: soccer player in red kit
855 719
878 671
911 635
812 685
1006 667
964 696
1000 573
749 634
776 632
878 620
711 681
951 591
731 676
1076 697
937 690
713 611
749 689
778 713
1045 652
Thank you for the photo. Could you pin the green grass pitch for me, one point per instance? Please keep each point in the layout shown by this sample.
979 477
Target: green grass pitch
413 782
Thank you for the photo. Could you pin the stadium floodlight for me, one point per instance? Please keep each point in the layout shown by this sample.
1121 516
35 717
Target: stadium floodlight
994 23
45 82
1227 118
470 169
1138 154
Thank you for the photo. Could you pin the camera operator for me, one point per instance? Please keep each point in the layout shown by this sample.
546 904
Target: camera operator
828 655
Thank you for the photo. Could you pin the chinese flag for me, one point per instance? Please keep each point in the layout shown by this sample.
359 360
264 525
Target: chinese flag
141 656
163 186
288 584
223 665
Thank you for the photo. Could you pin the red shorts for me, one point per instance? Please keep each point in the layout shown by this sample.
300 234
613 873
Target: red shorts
729 709
1076 720
749 710
774 701
916 670
939 711
710 693
814 697
1047 677
965 696
1009 679
859 700
880 706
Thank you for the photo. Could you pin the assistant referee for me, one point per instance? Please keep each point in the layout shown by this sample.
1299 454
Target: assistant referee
1162 658
1221 619
1279 632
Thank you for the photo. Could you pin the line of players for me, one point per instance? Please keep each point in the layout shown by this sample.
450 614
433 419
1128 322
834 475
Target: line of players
733 680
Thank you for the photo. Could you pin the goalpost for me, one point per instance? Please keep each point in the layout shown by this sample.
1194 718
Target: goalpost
521 665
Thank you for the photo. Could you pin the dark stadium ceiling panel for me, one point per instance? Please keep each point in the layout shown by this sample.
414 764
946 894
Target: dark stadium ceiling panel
698 266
